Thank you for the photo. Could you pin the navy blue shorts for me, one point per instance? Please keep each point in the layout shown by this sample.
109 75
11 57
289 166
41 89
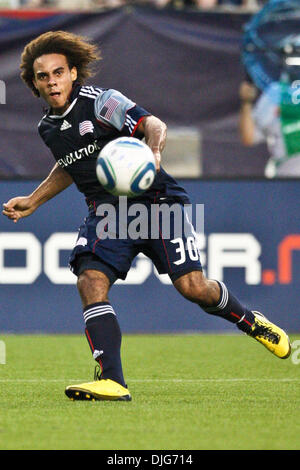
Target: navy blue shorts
108 242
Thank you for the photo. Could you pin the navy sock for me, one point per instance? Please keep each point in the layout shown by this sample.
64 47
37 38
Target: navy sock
104 337
230 308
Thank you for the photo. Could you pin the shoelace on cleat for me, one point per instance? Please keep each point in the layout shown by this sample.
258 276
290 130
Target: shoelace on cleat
266 332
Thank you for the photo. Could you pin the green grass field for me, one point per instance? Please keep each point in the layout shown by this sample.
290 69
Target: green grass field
189 392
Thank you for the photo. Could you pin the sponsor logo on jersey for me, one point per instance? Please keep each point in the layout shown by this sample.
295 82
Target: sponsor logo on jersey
78 154
65 125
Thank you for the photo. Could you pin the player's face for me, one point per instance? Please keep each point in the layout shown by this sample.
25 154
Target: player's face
54 79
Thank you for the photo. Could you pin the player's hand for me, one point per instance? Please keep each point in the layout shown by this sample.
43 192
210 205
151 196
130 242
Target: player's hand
248 92
17 208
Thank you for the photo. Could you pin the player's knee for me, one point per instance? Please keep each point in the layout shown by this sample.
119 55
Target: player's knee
93 286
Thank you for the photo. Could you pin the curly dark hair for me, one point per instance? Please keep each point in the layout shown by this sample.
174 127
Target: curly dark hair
79 52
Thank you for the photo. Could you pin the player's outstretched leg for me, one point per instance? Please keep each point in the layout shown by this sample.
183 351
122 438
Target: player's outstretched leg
214 298
104 337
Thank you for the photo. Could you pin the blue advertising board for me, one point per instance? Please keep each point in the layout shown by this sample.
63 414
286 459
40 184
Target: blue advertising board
251 241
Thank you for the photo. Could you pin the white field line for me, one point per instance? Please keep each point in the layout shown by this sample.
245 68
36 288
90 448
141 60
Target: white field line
199 381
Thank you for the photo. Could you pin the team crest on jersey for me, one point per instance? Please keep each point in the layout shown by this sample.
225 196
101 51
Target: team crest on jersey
85 127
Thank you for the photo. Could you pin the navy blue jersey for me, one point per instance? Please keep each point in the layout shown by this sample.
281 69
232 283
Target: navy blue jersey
95 117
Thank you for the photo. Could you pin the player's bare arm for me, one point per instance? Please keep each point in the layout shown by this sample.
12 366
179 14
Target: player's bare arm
23 206
248 95
155 132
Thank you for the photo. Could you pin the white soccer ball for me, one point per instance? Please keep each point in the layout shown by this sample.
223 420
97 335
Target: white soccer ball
126 167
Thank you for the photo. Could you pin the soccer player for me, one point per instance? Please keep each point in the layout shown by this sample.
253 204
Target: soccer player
81 119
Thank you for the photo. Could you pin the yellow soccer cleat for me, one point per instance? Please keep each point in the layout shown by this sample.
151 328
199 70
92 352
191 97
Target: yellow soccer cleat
271 336
104 389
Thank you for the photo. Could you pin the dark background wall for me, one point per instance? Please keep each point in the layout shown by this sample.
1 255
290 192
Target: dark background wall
184 66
